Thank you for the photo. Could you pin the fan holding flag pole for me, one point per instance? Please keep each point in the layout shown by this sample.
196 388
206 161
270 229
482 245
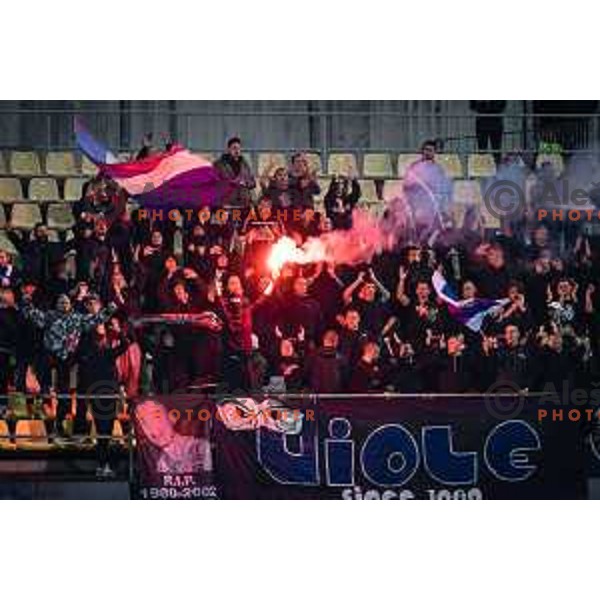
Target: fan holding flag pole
174 178
469 312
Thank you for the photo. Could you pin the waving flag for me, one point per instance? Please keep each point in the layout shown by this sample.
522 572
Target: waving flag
176 178
470 313
98 153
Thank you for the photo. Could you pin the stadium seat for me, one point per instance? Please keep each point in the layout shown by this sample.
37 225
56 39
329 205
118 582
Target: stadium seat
10 190
60 216
342 164
368 191
377 166
481 165
530 183
25 163
5 442
490 221
377 209
2 217
404 161
35 430
87 166
43 189
269 161
392 188
25 215
451 165
556 160
314 162
61 164
2 164
74 188
324 185
467 193
6 244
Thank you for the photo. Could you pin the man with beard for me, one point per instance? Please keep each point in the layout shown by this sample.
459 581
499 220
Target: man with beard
233 167
429 194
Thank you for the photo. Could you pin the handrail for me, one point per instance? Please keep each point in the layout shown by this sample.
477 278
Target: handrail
290 113
294 395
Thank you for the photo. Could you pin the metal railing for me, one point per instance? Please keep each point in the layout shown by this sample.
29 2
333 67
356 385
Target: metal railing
320 130
296 400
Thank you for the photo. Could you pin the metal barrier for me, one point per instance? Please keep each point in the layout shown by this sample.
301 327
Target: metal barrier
308 400
318 129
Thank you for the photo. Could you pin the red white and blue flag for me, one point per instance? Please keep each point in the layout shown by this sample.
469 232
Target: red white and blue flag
175 178
470 313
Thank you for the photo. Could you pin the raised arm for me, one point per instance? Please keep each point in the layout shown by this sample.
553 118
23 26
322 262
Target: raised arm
385 294
88 322
33 314
401 296
349 291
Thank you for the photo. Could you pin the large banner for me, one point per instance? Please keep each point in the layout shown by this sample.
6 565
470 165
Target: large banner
174 457
389 449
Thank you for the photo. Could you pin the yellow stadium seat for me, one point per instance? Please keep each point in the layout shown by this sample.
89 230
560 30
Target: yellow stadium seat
368 192
25 163
74 188
10 190
377 209
6 244
324 183
342 164
25 215
5 442
490 221
481 165
530 183
61 164
467 193
378 166
314 162
404 161
87 166
2 164
269 161
60 216
43 189
556 160
451 165
35 430
392 188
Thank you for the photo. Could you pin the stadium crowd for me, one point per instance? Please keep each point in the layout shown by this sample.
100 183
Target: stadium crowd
222 322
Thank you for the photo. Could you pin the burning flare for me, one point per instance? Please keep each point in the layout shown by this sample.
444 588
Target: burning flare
284 251
359 244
